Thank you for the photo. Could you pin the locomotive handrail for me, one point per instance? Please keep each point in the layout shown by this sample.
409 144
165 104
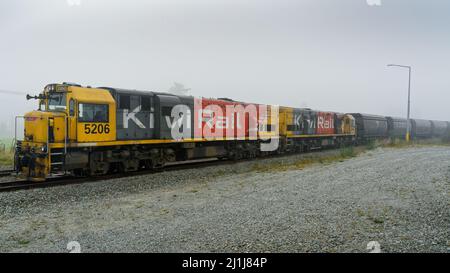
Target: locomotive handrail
15 127
15 139
48 136
65 132
49 153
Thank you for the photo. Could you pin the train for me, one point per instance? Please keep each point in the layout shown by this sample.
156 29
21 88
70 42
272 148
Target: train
86 131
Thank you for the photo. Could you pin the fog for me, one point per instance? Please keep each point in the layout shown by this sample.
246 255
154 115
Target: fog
322 54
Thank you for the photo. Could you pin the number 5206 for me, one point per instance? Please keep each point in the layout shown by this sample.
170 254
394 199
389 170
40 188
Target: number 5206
96 129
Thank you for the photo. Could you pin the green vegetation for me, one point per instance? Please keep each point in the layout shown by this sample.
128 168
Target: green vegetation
376 215
6 142
6 151
376 220
343 154
24 242
6 158
372 144
401 143
347 152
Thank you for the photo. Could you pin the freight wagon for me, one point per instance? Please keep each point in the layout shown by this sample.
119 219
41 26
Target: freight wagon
397 127
440 128
421 128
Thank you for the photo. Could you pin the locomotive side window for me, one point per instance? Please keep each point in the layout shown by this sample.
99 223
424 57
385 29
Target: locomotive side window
291 127
124 102
166 111
146 103
92 112
71 107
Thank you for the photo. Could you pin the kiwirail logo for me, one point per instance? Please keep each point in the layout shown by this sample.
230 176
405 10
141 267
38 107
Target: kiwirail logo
375 3
229 121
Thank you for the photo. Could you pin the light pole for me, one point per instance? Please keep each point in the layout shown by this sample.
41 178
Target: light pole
408 125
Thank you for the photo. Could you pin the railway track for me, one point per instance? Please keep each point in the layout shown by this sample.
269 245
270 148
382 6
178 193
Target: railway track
65 179
55 181
6 172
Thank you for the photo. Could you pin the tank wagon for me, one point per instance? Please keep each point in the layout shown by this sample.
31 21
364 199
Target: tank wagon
448 131
370 127
440 128
396 127
92 131
421 128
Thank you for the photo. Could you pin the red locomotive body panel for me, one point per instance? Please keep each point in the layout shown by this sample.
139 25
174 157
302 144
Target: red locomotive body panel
218 119
325 123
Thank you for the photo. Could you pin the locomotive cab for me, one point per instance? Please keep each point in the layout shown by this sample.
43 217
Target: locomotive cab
348 125
68 115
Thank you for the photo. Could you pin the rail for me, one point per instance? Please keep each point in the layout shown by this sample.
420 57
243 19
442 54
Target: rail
6 172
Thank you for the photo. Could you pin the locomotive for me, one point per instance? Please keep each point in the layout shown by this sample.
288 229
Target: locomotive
85 131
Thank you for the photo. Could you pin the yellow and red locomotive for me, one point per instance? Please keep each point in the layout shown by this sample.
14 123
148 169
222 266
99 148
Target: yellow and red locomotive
92 131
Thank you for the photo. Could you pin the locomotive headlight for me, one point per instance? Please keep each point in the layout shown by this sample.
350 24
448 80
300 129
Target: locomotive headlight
44 149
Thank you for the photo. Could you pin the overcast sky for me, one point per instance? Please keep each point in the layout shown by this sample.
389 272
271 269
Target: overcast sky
323 54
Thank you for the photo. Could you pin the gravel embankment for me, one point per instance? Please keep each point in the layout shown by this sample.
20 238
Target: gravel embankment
398 197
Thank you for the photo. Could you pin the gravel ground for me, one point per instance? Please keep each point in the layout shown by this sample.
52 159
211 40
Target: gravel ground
398 197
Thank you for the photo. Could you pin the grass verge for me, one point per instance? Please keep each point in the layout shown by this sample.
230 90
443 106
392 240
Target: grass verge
299 164
343 154
6 158
6 152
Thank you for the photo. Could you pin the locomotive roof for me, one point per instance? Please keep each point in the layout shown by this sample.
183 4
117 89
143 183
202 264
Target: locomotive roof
368 116
396 118
140 92
93 95
128 91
